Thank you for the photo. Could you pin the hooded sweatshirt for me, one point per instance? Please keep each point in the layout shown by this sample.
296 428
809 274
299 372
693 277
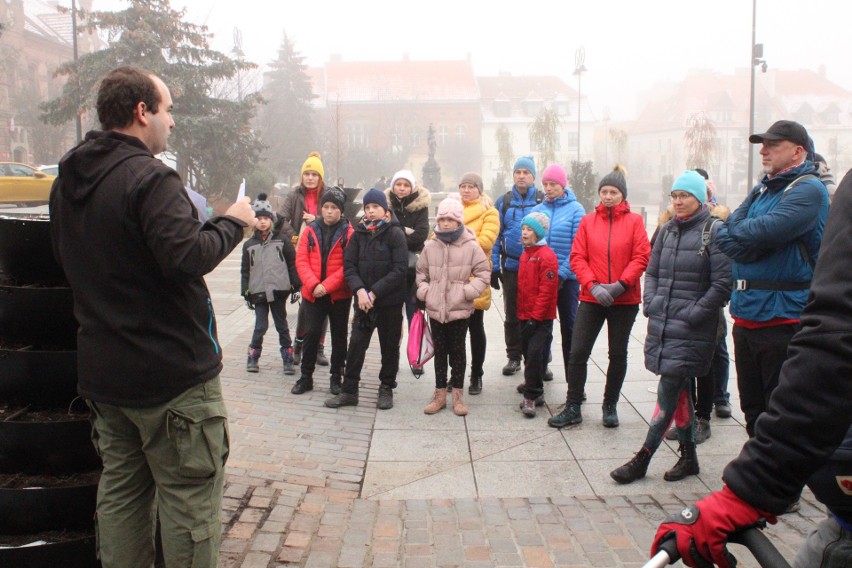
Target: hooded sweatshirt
134 255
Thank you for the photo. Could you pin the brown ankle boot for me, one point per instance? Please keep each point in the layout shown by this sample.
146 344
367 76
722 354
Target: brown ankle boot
458 403
438 402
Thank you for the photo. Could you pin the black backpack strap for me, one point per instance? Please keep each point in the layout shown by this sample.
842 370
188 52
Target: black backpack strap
707 234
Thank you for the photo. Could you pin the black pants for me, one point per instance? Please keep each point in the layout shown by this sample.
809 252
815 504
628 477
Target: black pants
590 319
449 341
316 314
759 354
279 317
478 342
535 356
566 306
302 324
712 388
510 324
388 321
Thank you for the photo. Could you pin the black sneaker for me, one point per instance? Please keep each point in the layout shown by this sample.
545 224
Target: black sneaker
343 399
610 415
723 409
512 367
302 386
571 414
385 401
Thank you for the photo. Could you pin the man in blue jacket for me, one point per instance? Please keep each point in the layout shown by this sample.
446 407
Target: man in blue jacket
513 207
773 239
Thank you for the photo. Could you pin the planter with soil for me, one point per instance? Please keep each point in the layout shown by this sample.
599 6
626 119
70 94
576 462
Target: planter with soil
37 314
36 440
69 549
37 374
27 253
35 503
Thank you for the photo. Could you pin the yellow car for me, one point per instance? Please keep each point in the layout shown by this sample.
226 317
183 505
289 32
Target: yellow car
21 184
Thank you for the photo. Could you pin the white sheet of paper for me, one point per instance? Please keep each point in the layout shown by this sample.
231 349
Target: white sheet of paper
242 192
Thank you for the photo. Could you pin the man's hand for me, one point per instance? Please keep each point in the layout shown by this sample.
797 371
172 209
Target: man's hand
603 297
365 300
703 529
319 291
242 210
495 280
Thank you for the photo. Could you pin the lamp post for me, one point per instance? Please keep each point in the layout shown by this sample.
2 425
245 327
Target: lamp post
77 121
579 69
756 54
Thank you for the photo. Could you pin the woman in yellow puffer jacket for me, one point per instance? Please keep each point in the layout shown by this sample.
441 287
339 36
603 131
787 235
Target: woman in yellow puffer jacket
483 219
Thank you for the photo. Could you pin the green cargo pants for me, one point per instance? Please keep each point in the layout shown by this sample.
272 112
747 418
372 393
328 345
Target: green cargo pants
168 460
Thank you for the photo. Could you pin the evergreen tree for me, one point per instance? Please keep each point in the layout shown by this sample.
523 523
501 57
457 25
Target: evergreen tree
212 139
287 126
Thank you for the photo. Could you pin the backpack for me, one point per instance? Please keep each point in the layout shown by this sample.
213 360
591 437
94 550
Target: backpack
507 199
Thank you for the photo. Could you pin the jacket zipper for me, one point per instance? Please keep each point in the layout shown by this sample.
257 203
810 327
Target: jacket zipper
210 326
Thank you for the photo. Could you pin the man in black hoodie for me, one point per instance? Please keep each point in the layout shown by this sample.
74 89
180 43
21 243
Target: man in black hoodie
148 358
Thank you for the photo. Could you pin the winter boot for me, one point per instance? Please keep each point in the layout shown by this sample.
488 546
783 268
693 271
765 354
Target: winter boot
287 359
537 401
322 360
251 362
303 385
528 406
686 465
511 367
475 384
297 350
610 415
438 402
335 382
702 430
458 403
343 399
385 400
635 469
571 414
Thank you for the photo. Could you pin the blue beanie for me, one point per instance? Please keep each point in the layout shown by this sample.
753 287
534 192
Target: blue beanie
525 162
692 182
376 196
539 222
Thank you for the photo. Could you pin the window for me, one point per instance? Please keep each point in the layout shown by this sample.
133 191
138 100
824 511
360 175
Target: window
443 134
357 135
460 131
414 137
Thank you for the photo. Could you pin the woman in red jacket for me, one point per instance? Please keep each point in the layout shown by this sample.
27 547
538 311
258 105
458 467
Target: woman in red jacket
319 262
609 255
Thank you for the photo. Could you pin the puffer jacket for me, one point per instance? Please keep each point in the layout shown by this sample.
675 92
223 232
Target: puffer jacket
683 293
565 214
268 267
763 236
412 212
508 249
611 245
316 265
485 224
290 216
538 283
377 260
444 273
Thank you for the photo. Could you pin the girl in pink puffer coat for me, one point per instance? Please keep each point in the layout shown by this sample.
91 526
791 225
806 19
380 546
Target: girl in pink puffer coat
452 272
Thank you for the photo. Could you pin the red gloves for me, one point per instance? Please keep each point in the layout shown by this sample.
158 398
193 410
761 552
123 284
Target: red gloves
702 529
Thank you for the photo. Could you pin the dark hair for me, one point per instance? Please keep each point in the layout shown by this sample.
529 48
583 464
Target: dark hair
819 158
119 93
703 173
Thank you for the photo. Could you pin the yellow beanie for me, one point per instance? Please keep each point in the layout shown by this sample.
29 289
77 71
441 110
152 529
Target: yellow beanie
313 164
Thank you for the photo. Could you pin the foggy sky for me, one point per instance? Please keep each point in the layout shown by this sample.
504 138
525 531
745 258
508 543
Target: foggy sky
630 45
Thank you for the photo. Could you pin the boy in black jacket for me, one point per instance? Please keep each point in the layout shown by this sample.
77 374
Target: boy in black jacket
375 263
268 278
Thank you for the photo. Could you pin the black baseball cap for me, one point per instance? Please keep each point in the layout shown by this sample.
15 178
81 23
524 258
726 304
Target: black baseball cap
784 130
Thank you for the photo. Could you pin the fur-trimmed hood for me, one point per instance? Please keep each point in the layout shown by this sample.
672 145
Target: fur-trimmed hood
422 200
717 210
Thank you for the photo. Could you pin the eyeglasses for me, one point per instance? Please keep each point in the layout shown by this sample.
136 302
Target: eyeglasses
682 196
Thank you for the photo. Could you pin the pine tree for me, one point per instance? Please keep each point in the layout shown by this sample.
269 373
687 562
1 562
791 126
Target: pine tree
287 126
212 139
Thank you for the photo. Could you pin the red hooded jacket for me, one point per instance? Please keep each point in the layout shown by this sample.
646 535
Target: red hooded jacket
538 283
611 245
309 262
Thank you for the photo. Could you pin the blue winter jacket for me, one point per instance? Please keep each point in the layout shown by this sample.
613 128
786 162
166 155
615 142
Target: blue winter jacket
764 237
565 215
508 248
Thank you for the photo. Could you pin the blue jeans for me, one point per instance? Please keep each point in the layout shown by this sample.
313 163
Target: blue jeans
261 324
674 402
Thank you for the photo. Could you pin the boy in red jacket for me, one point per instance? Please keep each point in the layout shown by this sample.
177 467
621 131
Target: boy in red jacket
319 261
538 286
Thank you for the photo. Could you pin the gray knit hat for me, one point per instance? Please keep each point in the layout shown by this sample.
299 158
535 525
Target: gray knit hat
539 222
617 179
262 207
473 178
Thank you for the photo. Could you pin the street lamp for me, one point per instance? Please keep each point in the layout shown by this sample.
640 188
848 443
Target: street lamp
579 69
756 55
78 123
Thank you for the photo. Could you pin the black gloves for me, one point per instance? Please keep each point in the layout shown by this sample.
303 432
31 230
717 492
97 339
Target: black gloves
495 280
528 329
247 296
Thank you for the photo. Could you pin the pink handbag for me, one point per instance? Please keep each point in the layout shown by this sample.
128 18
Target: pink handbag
421 348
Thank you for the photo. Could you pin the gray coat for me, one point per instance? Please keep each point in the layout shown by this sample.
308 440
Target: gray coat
683 293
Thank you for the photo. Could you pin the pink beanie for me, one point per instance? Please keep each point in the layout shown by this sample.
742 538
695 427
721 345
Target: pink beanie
555 173
451 208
